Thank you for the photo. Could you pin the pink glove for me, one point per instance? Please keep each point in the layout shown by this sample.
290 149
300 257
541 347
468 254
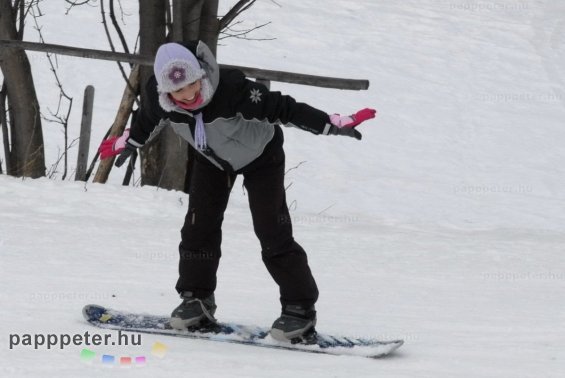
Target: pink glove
113 146
354 119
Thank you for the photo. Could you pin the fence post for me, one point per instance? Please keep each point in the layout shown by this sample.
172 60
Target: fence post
85 127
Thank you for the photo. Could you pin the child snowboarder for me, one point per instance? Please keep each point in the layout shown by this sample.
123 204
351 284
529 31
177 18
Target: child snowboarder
232 123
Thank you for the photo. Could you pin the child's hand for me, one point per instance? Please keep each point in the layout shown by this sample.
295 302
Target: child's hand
113 146
354 119
345 125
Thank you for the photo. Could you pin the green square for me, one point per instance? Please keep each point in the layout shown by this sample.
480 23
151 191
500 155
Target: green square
87 355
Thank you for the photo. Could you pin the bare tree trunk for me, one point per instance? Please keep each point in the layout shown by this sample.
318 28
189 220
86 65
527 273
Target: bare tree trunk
188 20
191 12
210 24
27 152
163 161
178 7
199 22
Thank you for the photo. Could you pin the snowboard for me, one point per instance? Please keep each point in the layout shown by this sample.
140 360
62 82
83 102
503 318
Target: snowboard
103 317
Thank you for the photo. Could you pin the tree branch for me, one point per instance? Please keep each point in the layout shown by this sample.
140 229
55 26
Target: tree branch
235 11
117 27
75 3
239 34
123 72
63 120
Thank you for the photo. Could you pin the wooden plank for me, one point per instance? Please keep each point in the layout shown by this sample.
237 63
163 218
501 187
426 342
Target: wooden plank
281 76
120 122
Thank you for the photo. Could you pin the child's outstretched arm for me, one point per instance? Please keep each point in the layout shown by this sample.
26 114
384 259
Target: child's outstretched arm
255 101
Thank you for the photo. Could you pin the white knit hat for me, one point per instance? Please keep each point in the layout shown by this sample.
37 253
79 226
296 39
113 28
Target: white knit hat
175 67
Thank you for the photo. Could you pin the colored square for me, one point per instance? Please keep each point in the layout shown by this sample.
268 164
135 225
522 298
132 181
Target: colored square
86 355
140 360
108 359
159 349
125 361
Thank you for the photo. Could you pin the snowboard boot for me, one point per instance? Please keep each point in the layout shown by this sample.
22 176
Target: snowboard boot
193 311
295 324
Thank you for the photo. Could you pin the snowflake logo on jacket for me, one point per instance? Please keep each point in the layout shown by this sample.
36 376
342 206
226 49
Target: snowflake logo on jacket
255 96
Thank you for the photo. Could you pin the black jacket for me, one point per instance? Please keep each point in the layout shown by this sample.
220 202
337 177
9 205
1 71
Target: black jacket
239 120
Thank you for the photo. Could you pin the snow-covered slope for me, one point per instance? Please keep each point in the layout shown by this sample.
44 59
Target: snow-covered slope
444 226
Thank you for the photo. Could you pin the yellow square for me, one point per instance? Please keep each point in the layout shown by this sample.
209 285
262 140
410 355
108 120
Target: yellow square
159 349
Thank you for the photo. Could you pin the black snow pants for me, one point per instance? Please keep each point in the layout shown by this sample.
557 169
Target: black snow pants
200 248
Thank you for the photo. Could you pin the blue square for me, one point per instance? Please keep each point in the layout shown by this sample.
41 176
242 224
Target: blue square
108 359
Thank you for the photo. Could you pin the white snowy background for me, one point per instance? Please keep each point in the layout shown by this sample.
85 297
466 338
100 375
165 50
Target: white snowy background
444 226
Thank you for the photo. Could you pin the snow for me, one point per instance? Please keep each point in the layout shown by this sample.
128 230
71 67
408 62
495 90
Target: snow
444 226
